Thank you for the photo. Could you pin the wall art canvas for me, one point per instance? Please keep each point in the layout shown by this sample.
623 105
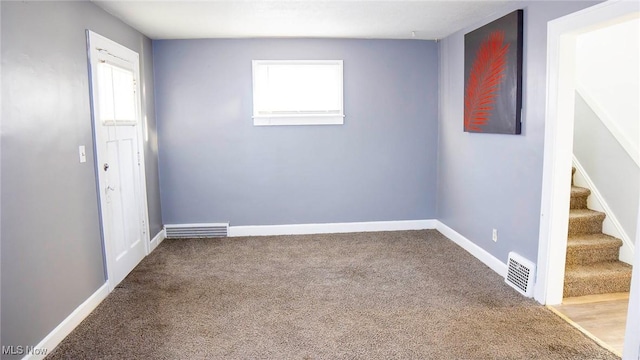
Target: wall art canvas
493 76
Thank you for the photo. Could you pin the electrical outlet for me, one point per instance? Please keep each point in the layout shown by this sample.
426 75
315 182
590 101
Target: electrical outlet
495 235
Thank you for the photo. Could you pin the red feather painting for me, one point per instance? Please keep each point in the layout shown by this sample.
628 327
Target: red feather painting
486 75
493 76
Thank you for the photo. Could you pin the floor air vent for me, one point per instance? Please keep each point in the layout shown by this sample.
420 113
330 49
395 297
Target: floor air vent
196 230
520 274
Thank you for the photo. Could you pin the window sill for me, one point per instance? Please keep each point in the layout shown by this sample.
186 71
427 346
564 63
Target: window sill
298 120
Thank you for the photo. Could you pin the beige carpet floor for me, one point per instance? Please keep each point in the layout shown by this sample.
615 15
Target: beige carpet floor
384 295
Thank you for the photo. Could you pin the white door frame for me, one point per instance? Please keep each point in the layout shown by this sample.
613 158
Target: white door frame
558 149
632 334
558 144
95 42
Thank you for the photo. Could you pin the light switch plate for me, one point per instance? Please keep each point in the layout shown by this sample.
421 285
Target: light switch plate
82 153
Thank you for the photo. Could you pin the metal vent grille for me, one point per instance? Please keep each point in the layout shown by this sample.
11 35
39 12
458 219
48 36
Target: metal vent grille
196 230
520 274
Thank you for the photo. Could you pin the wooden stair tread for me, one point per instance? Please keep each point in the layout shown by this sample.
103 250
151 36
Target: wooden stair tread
591 299
598 270
593 241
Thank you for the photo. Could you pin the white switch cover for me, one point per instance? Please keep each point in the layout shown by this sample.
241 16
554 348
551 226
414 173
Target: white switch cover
82 153
494 236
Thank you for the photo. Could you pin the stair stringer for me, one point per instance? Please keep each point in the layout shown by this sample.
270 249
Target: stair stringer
610 225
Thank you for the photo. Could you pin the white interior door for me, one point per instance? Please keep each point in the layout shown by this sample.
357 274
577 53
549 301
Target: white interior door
119 157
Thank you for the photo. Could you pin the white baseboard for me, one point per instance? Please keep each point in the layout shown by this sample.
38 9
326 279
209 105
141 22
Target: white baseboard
80 313
301 229
67 325
475 250
161 235
304 229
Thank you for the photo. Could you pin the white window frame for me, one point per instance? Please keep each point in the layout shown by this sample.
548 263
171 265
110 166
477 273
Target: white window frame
316 118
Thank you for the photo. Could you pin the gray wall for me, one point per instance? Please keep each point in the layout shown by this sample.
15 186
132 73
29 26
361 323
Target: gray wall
488 181
52 258
216 166
608 165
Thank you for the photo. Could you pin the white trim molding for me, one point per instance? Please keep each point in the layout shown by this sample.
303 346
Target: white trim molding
74 319
160 236
479 253
630 148
301 229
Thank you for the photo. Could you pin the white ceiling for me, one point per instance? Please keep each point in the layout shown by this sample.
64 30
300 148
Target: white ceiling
371 19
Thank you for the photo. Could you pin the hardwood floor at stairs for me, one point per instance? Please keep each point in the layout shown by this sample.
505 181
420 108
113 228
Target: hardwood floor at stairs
603 316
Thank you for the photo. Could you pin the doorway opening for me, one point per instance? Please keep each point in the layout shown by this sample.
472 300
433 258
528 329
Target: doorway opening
559 140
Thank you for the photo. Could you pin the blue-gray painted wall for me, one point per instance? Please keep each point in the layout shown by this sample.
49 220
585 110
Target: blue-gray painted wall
216 166
52 258
488 181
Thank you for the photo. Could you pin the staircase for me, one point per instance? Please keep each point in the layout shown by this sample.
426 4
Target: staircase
592 265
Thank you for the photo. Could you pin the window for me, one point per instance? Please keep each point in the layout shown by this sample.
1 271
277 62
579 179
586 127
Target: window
307 92
116 95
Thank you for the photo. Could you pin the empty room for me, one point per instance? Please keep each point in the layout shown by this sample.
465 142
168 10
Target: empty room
320 179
